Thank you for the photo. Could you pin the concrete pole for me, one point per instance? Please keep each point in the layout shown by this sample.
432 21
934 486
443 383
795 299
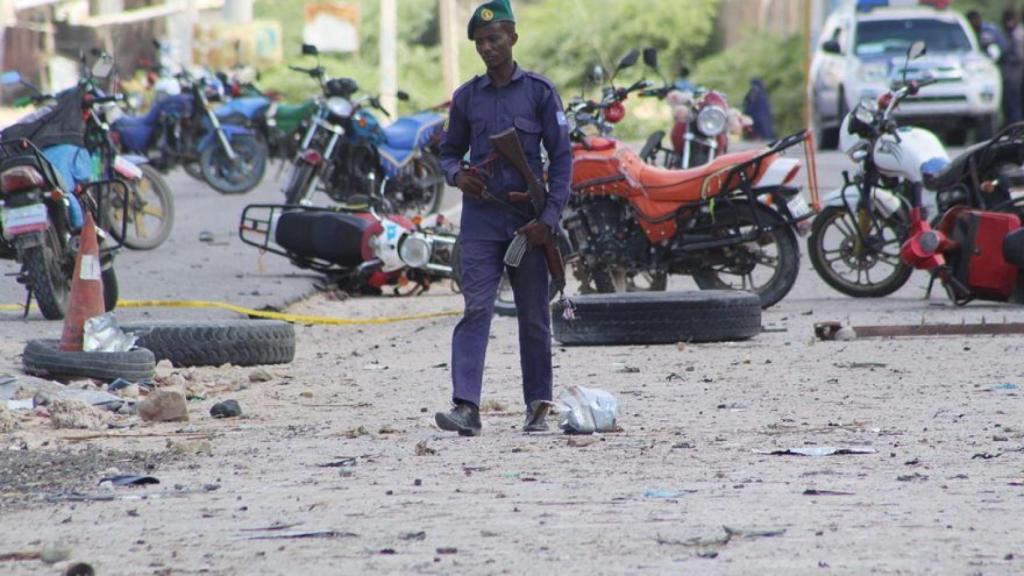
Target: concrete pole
449 46
809 40
389 56
238 11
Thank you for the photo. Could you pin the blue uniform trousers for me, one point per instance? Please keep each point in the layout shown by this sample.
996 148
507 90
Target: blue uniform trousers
482 267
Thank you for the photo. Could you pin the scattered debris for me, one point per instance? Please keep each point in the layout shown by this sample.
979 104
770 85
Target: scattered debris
7 420
1006 386
423 450
868 365
260 375
667 494
190 448
623 368
448 550
75 414
493 406
581 441
818 451
915 477
386 429
20 556
129 480
833 330
164 406
276 526
413 536
345 461
303 535
80 569
817 492
587 410
356 432
103 335
226 409
55 553
751 533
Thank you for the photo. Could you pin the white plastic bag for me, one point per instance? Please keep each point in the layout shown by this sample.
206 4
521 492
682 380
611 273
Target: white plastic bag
587 410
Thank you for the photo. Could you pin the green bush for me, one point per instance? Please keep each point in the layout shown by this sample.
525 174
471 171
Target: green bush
778 61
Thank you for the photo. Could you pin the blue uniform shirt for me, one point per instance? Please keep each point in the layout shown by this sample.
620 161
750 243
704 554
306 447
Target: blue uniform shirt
480 110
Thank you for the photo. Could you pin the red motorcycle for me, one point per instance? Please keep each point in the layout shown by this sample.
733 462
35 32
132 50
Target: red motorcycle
702 122
730 223
976 250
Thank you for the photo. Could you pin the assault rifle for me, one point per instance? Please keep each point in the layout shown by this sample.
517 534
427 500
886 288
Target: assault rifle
507 146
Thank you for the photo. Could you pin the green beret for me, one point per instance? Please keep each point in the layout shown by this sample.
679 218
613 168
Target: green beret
494 11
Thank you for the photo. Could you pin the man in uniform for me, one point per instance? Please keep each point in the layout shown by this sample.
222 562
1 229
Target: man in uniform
505 97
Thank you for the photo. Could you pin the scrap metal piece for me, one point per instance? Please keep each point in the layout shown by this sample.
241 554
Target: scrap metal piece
829 330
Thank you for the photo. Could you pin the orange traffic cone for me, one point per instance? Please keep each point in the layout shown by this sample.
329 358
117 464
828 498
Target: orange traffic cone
86 299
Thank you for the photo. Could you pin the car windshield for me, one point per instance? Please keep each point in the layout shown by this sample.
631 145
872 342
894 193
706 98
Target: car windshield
895 36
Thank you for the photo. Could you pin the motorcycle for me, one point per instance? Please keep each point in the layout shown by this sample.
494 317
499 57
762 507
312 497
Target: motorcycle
720 223
700 133
346 153
43 192
360 251
856 239
182 129
279 125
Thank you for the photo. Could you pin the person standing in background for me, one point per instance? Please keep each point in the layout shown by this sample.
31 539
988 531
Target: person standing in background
1011 64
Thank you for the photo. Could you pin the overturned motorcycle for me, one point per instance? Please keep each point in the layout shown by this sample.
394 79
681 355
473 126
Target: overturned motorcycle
360 251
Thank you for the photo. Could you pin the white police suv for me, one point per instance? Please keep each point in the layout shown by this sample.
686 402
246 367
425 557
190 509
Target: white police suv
862 50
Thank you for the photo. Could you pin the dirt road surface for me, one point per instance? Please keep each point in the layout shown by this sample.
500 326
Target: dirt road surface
336 466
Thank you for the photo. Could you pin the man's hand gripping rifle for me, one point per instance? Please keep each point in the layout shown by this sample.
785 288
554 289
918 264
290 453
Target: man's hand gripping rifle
508 147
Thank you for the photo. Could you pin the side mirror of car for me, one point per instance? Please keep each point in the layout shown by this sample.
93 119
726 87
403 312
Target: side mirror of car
831 47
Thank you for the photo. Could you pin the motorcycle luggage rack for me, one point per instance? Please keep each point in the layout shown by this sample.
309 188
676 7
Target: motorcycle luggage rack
257 230
12 151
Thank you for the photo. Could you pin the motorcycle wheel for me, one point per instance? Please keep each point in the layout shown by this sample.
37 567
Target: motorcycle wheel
236 177
427 200
150 211
194 170
111 290
776 273
298 183
833 242
47 278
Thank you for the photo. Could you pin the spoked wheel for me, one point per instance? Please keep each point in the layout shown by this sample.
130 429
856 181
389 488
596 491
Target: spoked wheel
236 176
863 269
409 193
766 265
48 278
150 213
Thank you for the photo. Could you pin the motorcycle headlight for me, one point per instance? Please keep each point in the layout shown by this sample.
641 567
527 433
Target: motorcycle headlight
712 120
874 72
339 106
415 251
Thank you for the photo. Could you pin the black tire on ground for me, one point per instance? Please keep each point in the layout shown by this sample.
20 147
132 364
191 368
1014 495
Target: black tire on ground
659 318
238 342
44 358
49 282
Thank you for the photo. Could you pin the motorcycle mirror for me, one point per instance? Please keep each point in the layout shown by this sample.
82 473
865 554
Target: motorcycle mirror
628 60
102 67
10 78
402 95
309 50
651 58
595 75
684 72
916 50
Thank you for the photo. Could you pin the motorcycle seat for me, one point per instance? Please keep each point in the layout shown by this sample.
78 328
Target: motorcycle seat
247 106
950 175
411 132
690 185
1013 248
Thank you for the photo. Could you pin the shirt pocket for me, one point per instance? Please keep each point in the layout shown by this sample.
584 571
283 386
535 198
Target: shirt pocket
530 132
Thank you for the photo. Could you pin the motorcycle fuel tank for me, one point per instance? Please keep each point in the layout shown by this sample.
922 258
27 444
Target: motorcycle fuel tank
904 158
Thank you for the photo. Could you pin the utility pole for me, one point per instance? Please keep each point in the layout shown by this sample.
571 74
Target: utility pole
808 44
449 46
238 11
389 56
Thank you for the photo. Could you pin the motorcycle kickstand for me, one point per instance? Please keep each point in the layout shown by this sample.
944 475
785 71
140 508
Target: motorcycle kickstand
28 302
931 284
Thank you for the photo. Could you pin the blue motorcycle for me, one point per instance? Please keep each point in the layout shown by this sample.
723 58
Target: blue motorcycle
182 129
349 156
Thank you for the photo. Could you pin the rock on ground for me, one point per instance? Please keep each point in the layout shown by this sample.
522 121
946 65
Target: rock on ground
164 406
73 413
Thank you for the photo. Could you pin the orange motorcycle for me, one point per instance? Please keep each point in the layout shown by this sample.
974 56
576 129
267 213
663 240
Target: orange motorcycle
731 223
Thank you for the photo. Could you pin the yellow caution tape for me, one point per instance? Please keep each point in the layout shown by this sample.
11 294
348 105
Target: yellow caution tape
295 318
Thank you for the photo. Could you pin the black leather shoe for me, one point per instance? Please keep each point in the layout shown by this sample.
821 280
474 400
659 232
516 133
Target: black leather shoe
536 414
464 419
